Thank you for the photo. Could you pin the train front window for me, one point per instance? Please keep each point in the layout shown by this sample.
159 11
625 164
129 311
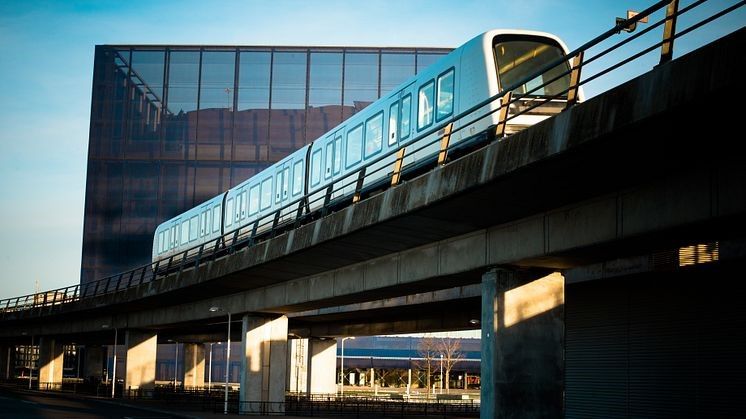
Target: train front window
519 57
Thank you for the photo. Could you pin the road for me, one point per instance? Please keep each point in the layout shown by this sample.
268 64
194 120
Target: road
22 405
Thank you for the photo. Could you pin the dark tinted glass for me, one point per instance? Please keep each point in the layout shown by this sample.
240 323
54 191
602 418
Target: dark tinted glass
146 102
181 96
252 117
360 81
288 103
395 69
215 126
324 93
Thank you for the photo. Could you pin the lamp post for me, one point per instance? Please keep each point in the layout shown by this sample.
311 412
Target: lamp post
209 373
342 366
114 367
215 309
441 373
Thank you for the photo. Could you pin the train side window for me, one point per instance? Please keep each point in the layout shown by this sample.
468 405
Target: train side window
425 105
216 218
393 122
444 104
266 200
373 134
229 212
337 153
285 182
406 111
193 227
244 203
174 237
202 224
169 240
237 212
298 177
185 232
354 146
316 168
254 199
207 222
160 242
329 154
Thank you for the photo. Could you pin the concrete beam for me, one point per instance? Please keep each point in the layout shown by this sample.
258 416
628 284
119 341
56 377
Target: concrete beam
263 365
522 346
141 358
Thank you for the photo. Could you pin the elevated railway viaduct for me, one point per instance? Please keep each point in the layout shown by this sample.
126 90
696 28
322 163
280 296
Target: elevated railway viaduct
599 251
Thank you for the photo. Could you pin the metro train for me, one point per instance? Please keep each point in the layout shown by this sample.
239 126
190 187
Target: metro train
458 82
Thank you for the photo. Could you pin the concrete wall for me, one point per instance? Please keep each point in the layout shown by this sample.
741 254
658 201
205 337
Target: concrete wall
522 346
93 362
322 366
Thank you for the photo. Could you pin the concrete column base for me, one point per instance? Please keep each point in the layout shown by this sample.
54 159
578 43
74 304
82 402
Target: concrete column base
51 357
141 355
263 364
522 345
322 368
194 365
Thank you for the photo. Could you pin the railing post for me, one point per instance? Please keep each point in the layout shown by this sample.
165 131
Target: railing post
235 237
572 94
359 186
199 255
502 116
155 271
327 199
444 143
669 31
396 175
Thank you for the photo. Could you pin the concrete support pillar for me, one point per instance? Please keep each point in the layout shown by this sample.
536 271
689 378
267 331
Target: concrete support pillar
194 365
297 365
93 363
6 361
263 364
51 356
140 364
322 366
522 345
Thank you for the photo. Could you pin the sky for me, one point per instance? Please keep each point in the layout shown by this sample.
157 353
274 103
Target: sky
46 69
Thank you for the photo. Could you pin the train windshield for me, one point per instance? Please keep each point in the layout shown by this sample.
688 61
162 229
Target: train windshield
520 57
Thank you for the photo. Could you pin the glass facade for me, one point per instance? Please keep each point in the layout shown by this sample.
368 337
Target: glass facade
174 126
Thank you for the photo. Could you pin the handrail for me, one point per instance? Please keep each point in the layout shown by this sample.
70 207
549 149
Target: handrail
298 210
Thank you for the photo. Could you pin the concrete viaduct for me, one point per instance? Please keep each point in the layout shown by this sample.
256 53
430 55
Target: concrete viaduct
588 247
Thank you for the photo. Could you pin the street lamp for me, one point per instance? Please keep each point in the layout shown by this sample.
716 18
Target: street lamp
215 309
114 368
342 365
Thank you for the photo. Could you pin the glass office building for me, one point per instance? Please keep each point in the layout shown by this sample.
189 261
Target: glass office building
173 126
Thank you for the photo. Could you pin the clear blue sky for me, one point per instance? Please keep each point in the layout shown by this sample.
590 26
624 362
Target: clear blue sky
46 66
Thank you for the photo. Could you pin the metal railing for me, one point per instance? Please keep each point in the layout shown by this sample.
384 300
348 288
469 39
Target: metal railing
323 200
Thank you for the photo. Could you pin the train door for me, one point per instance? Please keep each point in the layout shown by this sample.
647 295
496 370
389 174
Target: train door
282 190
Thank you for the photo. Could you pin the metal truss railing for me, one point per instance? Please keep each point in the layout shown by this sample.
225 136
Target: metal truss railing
323 200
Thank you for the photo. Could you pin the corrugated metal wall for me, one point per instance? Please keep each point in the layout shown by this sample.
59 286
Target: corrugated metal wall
665 344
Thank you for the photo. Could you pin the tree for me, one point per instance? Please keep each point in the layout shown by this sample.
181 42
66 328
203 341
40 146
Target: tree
427 350
452 355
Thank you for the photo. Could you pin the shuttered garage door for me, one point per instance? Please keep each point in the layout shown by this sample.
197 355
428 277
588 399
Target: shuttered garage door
664 344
